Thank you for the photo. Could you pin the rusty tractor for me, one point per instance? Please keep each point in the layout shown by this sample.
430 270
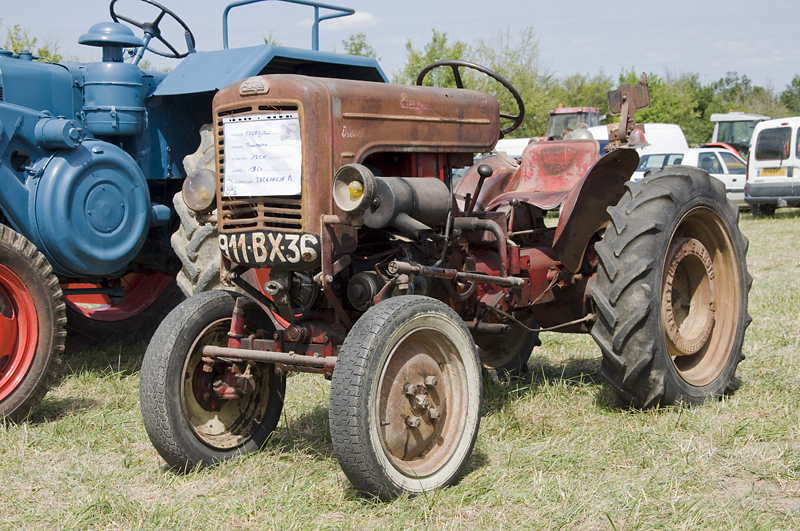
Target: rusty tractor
357 256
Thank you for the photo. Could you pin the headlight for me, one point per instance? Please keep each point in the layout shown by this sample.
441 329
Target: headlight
353 188
200 191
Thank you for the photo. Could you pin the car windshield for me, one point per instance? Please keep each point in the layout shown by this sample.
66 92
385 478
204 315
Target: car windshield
773 144
659 160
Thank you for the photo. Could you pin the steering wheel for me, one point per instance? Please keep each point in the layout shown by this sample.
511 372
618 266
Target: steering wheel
151 29
454 64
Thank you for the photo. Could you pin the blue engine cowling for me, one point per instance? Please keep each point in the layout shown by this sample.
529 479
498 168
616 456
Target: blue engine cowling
90 210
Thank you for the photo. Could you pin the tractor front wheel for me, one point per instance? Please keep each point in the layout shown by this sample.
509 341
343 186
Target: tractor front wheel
671 291
32 324
191 412
405 398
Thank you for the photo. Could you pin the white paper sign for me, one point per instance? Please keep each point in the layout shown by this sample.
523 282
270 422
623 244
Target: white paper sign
263 155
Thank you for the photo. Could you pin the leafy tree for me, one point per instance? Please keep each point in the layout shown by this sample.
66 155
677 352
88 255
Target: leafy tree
19 39
673 100
735 93
269 39
791 96
357 45
516 58
581 90
437 49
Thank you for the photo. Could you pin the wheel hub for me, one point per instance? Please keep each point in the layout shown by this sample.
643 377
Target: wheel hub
19 331
689 297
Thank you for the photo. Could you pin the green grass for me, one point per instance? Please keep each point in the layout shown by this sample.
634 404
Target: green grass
553 453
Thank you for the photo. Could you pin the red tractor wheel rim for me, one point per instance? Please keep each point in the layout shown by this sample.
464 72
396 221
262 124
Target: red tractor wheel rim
19 331
141 291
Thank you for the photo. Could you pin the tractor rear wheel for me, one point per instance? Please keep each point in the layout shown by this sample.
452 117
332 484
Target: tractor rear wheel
506 357
405 398
32 324
195 243
187 419
671 291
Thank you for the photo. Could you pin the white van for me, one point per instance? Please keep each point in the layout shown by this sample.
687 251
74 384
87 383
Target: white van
663 138
773 167
513 146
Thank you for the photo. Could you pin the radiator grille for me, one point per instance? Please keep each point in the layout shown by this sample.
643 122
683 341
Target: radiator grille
238 214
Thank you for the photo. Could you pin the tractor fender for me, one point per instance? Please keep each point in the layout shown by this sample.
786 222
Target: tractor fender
210 71
584 211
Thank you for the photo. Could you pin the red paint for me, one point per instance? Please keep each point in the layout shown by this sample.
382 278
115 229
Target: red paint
19 327
141 291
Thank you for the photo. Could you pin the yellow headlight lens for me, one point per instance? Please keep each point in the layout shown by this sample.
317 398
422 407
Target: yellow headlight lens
356 190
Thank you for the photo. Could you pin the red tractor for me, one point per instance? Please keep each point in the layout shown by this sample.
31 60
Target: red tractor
357 256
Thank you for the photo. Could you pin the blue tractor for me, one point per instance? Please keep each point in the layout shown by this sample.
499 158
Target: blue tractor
93 227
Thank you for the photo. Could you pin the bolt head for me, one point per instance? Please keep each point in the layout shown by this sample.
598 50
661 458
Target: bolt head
413 422
421 401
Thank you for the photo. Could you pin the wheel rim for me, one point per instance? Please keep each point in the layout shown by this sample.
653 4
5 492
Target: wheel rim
508 348
234 422
700 294
19 331
141 291
421 403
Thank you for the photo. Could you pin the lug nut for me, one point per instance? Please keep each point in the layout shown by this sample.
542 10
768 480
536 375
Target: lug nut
430 381
412 422
434 413
409 389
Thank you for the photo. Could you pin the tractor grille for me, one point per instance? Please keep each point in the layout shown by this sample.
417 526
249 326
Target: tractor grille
239 214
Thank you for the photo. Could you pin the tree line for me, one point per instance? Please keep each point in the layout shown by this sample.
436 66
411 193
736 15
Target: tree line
678 99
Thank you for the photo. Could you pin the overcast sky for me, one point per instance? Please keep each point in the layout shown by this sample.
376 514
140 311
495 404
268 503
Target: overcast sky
756 39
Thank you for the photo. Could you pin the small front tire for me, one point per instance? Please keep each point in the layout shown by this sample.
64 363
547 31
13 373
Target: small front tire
405 398
185 423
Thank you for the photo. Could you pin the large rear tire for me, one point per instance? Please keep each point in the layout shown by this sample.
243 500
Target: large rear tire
186 423
32 322
405 399
195 243
671 291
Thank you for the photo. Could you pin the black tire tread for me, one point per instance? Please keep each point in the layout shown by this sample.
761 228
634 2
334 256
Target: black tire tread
43 372
626 268
347 421
156 381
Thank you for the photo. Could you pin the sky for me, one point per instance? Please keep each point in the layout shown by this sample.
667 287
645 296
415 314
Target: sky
756 39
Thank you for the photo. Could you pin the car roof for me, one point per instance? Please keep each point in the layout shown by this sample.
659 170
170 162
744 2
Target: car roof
692 151
791 121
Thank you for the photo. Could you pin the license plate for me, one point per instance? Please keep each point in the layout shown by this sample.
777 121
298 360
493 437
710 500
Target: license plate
772 172
270 249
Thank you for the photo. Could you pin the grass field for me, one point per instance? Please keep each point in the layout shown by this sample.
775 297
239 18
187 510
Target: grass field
551 454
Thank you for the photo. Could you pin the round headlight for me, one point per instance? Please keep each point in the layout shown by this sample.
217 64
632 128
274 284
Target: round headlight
200 191
353 188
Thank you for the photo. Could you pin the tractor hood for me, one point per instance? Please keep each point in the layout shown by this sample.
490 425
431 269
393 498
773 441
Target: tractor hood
210 71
